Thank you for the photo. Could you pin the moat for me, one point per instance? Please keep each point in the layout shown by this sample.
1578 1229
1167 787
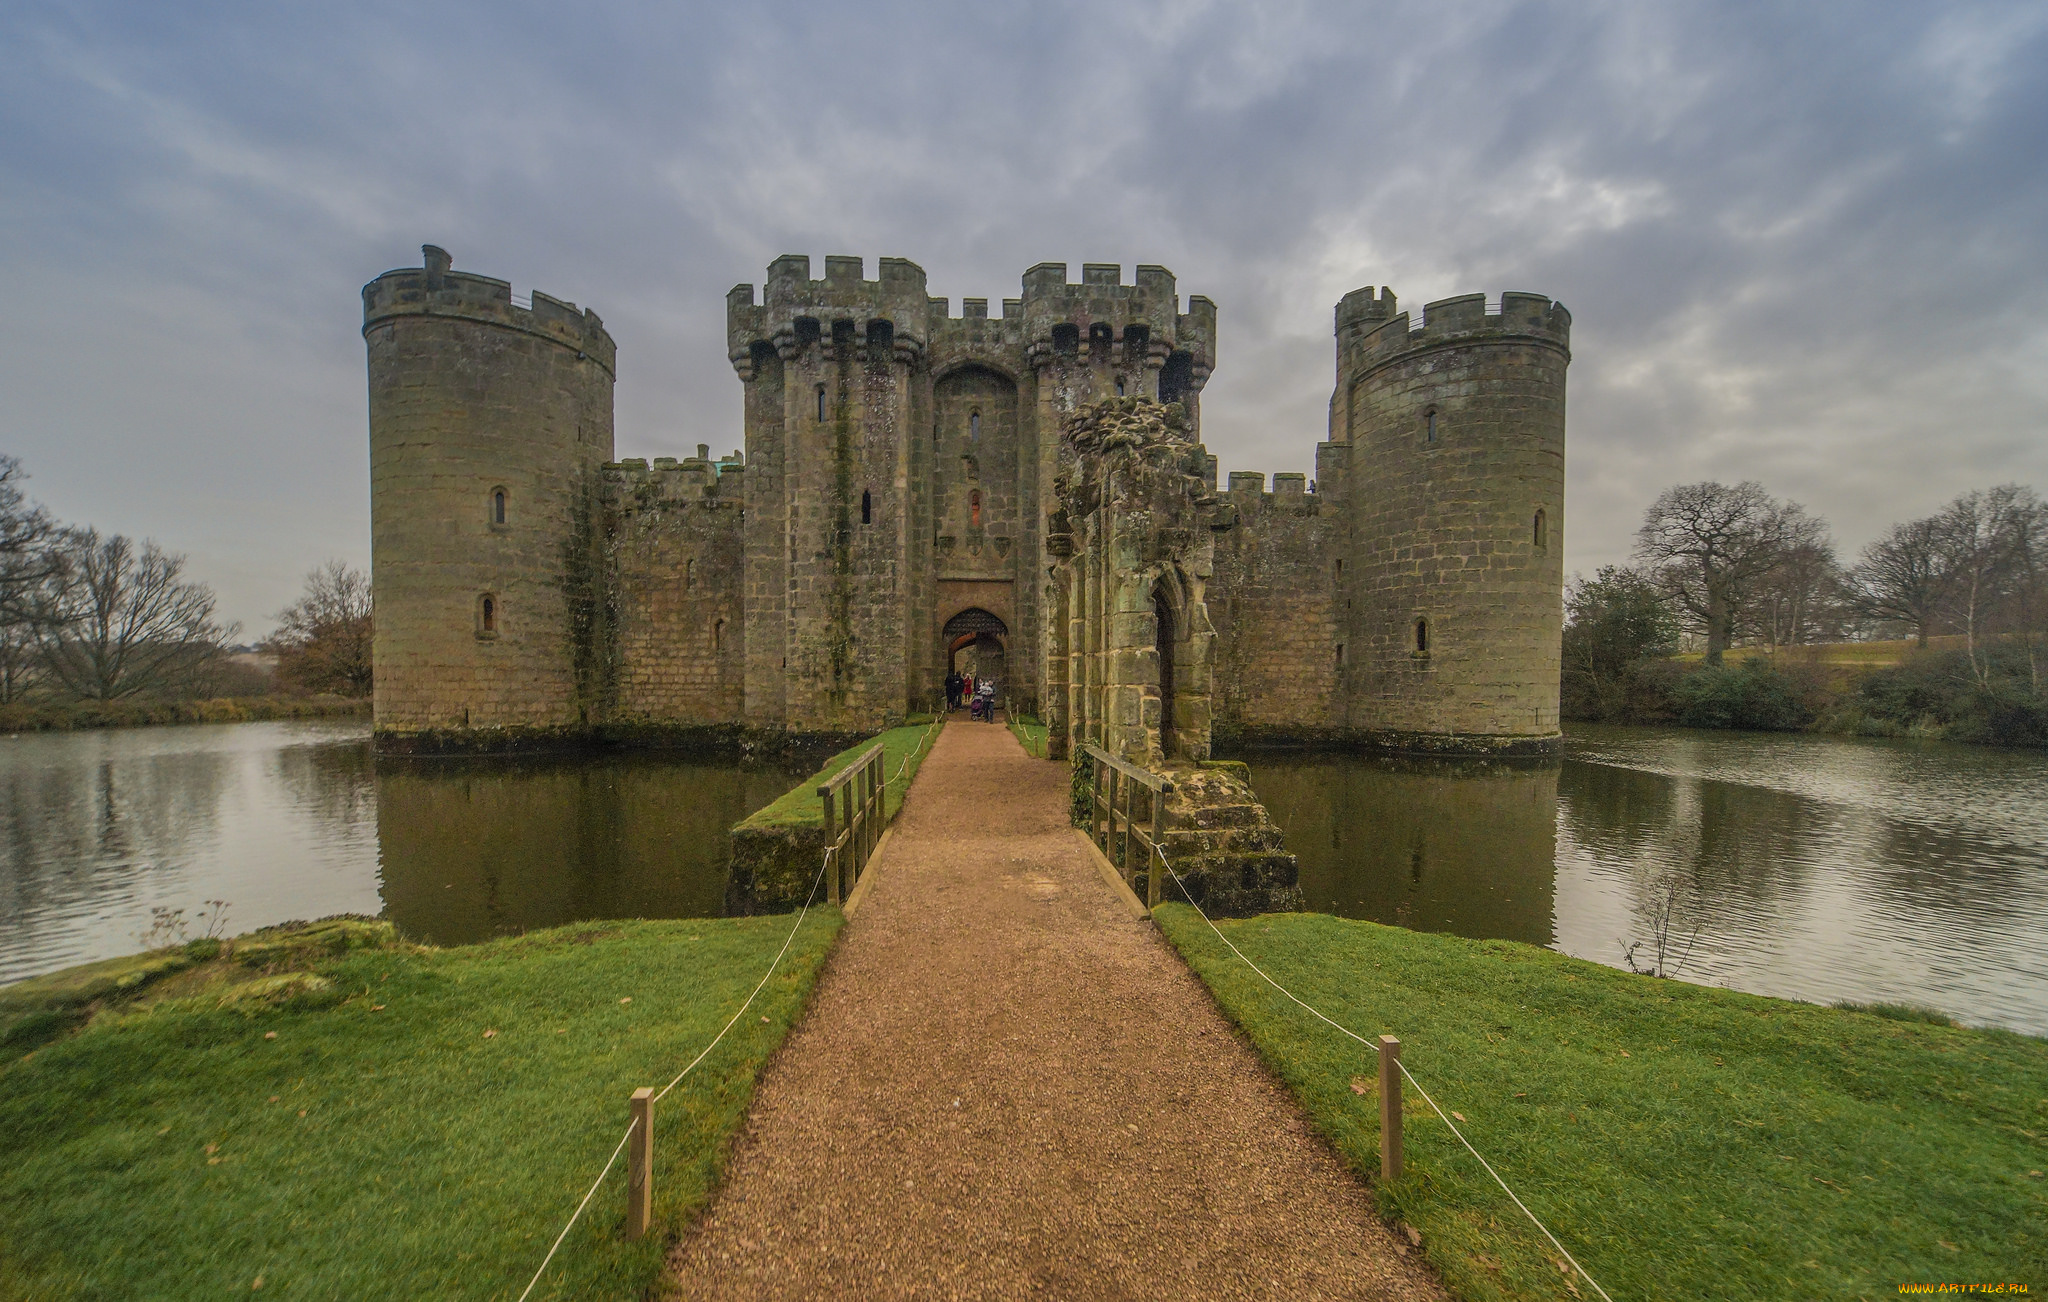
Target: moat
1807 867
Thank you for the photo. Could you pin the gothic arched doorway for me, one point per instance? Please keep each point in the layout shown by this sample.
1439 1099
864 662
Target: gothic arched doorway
974 643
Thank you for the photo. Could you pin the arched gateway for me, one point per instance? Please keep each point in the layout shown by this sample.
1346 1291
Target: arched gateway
975 641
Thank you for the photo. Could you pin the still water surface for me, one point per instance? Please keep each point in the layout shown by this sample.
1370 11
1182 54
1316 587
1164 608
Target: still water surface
1807 867
298 820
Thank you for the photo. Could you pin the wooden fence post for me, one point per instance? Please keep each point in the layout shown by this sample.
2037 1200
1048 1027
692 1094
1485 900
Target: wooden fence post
1095 805
640 1165
1156 870
1390 1108
832 873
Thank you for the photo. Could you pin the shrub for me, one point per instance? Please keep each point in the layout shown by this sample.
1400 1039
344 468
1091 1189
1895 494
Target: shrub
1943 694
1754 694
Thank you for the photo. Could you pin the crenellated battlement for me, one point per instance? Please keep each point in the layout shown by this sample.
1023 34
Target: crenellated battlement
1362 311
795 309
633 484
1098 317
1369 331
1291 489
435 289
1101 301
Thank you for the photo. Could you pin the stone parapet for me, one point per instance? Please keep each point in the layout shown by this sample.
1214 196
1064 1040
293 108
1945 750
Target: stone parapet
436 290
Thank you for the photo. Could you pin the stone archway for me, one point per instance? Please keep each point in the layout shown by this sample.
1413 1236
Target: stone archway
976 640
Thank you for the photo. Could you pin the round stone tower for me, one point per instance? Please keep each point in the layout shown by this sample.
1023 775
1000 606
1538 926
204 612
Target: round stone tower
1451 603
489 420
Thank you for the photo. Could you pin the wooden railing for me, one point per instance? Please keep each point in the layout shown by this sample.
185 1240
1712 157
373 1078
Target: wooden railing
1112 793
854 828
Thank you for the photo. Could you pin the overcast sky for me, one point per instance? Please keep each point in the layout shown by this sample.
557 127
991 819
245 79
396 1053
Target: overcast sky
1806 244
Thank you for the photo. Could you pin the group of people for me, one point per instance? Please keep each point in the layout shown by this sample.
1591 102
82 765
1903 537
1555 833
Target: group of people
979 695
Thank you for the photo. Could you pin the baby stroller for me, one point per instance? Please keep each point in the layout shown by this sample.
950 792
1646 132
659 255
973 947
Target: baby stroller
983 706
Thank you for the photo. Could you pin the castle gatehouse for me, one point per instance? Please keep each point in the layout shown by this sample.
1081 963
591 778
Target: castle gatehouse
897 503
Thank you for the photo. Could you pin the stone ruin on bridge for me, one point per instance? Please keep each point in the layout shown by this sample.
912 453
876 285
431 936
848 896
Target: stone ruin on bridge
1130 668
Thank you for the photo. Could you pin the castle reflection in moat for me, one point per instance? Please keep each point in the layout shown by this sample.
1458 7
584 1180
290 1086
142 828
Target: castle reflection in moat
477 848
1467 847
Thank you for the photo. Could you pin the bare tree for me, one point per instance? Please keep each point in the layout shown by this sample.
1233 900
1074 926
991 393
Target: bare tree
27 562
1712 544
1797 600
26 533
1983 537
115 620
1899 577
323 639
2029 526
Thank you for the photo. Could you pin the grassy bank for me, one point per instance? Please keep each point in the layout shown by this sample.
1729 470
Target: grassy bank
1030 733
1890 689
329 1112
133 714
903 750
1682 1141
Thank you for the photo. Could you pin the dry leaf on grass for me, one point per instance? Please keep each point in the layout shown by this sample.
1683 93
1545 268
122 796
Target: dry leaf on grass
1358 1085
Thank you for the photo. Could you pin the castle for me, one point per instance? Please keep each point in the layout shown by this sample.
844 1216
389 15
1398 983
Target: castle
894 515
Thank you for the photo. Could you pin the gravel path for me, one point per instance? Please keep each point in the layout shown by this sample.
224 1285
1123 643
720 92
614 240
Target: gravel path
1006 1088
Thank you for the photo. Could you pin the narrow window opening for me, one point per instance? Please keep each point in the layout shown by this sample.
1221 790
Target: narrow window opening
1340 567
1537 533
867 507
1177 377
498 506
1422 637
974 427
1119 386
689 575
974 508
821 404
1428 426
487 615
1340 654
718 635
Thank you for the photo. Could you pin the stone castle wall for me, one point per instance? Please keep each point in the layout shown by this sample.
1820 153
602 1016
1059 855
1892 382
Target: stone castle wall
1271 602
472 396
1456 518
677 557
900 465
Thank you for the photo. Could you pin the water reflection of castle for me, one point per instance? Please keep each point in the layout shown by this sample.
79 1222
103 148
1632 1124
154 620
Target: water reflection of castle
1467 848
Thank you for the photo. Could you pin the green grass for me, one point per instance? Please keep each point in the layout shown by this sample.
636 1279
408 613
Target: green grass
1682 1141
1030 733
903 750
171 1150
1850 655
70 716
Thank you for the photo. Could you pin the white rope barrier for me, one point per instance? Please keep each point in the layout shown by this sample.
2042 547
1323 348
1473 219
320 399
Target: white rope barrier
609 1163
733 1021
1340 1027
824 865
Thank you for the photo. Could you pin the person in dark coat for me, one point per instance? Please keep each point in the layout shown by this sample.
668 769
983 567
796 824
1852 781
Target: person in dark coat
953 685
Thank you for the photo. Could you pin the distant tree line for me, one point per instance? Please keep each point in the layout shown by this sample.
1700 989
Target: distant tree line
100 618
1720 566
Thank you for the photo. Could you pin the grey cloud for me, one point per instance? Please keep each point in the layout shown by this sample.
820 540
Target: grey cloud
1801 243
